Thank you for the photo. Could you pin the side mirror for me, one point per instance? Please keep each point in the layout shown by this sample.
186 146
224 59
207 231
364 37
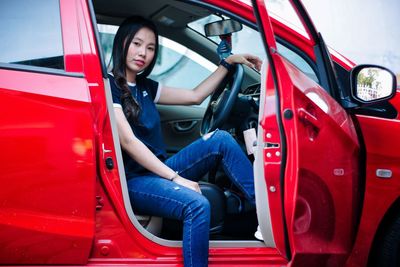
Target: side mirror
371 84
222 27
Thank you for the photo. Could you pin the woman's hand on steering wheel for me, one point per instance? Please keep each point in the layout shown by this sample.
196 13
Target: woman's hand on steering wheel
222 100
245 59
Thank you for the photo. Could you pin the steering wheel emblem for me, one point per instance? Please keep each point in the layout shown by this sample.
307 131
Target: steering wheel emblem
214 105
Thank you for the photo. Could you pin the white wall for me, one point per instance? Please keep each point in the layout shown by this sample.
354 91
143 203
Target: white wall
366 31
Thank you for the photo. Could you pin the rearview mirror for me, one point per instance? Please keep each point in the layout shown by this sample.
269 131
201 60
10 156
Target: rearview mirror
222 27
372 84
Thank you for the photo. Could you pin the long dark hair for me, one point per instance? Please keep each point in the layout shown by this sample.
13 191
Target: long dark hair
126 32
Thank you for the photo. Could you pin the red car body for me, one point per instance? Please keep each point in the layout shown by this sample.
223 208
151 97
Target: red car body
60 204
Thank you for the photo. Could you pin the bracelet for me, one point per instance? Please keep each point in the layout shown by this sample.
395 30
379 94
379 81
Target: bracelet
226 65
174 176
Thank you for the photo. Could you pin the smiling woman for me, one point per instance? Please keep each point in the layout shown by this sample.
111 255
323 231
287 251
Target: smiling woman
175 62
325 160
168 186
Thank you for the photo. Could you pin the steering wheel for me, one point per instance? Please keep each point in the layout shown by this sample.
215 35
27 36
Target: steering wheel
222 101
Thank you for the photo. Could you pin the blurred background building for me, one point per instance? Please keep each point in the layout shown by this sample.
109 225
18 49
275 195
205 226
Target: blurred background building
366 31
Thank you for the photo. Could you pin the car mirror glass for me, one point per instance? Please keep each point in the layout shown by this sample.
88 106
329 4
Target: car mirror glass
373 83
222 27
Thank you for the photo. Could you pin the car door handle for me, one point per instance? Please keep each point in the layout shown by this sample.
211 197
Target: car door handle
184 126
309 118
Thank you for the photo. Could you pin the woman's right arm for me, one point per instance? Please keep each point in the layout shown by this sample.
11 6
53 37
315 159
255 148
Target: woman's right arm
142 155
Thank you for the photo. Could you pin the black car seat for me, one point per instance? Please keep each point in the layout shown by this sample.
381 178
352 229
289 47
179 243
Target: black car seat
217 200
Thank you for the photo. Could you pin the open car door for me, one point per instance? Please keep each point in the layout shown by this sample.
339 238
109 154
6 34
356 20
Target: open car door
310 155
47 193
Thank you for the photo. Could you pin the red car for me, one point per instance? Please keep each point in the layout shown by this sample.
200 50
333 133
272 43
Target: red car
326 161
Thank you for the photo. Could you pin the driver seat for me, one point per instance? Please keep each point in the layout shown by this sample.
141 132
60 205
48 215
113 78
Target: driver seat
217 200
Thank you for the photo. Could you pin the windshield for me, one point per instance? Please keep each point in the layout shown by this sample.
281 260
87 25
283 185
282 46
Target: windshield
249 39
242 42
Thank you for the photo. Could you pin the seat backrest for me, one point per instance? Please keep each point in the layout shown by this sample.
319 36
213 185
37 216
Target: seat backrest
217 200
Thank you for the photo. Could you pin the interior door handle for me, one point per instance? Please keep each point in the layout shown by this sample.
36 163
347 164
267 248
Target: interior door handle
184 126
307 117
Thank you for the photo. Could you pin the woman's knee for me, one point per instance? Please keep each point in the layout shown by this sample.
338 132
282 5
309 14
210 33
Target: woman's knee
199 207
224 140
221 134
222 137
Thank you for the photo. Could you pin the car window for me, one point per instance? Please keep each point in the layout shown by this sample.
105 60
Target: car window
25 26
298 61
249 40
175 63
245 41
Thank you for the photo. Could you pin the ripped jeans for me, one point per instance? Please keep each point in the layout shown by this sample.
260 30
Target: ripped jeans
156 196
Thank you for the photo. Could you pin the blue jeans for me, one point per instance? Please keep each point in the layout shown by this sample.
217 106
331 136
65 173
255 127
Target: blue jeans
154 195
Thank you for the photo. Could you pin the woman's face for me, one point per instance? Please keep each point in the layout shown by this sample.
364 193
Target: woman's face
140 53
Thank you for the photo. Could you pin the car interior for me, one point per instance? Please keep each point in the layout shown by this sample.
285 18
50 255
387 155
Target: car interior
190 56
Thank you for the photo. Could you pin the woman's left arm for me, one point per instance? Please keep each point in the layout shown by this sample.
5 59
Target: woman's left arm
175 96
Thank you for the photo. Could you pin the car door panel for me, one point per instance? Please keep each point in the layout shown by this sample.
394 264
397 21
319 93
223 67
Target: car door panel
47 135
319 169
180 125
328 168
381 171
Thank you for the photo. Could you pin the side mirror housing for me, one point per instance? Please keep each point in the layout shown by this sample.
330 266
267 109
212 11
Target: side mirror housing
222 27
372 84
